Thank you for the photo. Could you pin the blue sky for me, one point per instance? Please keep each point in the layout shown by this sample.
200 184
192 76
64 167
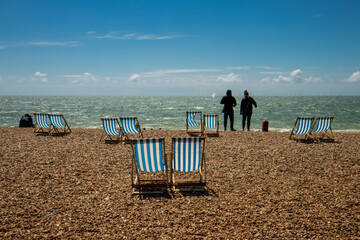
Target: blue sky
179 47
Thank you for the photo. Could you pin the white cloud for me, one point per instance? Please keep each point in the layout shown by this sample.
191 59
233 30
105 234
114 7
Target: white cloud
134 77
81 78
132 35
152 37
272 73
176 71
355 77
266 80
281 78
1 78
250 67
240 68
228 78
53 44
292 77
39 74
2 47
295 73
90 32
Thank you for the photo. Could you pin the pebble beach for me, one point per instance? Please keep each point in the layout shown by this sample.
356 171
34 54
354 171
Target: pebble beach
260 185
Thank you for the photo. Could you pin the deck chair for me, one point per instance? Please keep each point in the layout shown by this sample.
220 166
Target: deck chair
304 128
149 168
42 124
130 125
188 160
59 124
322 126
112 129
194 123
211 125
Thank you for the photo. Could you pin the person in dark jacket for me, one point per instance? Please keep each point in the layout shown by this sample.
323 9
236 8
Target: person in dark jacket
229 102
246 109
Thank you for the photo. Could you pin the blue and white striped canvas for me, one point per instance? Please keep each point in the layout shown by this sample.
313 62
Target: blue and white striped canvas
128 124
187 154
323 124
149 154
210 121
304 125
56 120
110 126
42 120
190 116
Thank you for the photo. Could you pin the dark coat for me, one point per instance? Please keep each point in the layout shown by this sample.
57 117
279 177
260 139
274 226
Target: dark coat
246 106
229 102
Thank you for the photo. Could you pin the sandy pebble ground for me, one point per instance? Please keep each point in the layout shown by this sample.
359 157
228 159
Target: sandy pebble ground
259 185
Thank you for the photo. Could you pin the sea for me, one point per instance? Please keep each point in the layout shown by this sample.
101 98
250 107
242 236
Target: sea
169 112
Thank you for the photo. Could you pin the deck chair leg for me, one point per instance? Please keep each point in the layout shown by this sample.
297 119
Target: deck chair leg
328 134
292 131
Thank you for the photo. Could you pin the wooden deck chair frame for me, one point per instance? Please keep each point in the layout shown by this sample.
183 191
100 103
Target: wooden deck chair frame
59 124
325 131
112 137
42 124
191 131
126 129
207 131
178 184
143 164
308 135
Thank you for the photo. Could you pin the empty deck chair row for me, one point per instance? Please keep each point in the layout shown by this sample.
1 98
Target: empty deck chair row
150 169
198 124
311 128
119 131
51 124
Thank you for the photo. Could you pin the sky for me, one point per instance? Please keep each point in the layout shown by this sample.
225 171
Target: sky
179 48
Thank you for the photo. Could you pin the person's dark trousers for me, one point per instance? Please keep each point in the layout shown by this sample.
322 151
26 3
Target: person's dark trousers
231 116
248 117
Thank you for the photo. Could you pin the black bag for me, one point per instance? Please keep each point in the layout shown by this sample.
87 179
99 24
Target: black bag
26 121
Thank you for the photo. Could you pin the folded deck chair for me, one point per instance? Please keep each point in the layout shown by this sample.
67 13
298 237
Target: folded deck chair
188 161
322 127
42 124
130 125
304 127
112 129
194 123
149 168
211 124
59 124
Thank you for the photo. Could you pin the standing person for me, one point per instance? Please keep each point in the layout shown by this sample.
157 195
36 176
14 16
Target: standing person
246 109
229 102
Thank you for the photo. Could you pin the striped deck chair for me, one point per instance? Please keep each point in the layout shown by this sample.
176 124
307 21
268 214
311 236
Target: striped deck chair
304 127
211 122
42 124
112 129
149 161
323 125
130 125
194 123
58 122
188 160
